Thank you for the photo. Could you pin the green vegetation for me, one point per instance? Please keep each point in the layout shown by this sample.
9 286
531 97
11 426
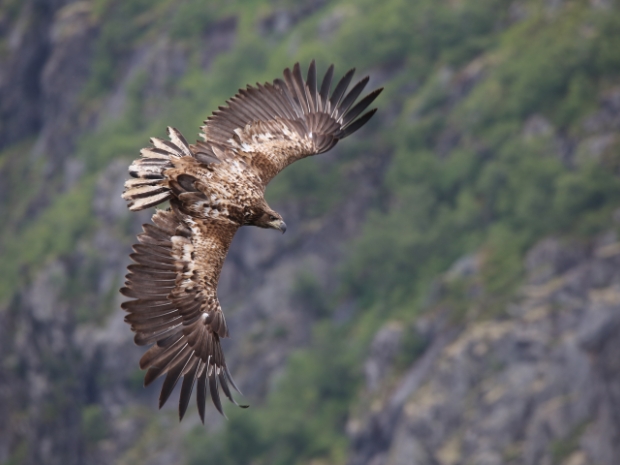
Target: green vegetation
53 233
463 173
563 448
19 454
303 417
93 423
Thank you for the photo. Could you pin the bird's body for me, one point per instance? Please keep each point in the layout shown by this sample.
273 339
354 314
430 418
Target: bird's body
215 187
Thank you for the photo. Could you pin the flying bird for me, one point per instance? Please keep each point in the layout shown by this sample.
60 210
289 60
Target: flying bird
214 187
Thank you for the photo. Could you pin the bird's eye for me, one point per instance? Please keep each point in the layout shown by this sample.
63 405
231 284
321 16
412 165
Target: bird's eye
272 218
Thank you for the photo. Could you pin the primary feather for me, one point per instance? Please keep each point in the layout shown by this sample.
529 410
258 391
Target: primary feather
215 186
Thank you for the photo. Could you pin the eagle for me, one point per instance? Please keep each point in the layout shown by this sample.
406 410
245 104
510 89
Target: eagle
214 187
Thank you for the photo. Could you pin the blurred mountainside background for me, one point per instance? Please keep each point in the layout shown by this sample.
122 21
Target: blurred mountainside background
448 292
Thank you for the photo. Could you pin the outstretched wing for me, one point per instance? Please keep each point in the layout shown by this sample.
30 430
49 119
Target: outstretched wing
173 283
273 125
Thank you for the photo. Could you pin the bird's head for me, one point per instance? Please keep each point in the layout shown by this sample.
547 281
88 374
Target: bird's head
271 219
265 217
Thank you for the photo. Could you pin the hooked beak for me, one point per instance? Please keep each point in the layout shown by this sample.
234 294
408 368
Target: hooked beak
279 225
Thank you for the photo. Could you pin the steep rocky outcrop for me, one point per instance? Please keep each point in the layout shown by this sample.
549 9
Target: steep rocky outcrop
26 32
46 65
538 385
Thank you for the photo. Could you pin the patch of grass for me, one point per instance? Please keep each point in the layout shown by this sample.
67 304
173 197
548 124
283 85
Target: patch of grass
18 455
561 449
413 345
93 423
53 233
303 417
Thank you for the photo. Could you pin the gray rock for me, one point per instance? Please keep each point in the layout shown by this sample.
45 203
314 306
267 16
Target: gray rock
540 387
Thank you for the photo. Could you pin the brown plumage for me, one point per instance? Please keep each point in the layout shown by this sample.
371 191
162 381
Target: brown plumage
214 187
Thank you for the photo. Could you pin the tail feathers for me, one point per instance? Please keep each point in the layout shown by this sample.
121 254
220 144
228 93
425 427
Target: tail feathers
150 187
149 168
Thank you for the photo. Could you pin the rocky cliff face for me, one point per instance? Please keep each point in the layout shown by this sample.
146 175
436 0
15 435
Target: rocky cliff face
538 385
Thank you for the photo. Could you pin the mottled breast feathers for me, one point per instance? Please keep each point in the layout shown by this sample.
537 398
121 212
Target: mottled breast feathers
214 187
